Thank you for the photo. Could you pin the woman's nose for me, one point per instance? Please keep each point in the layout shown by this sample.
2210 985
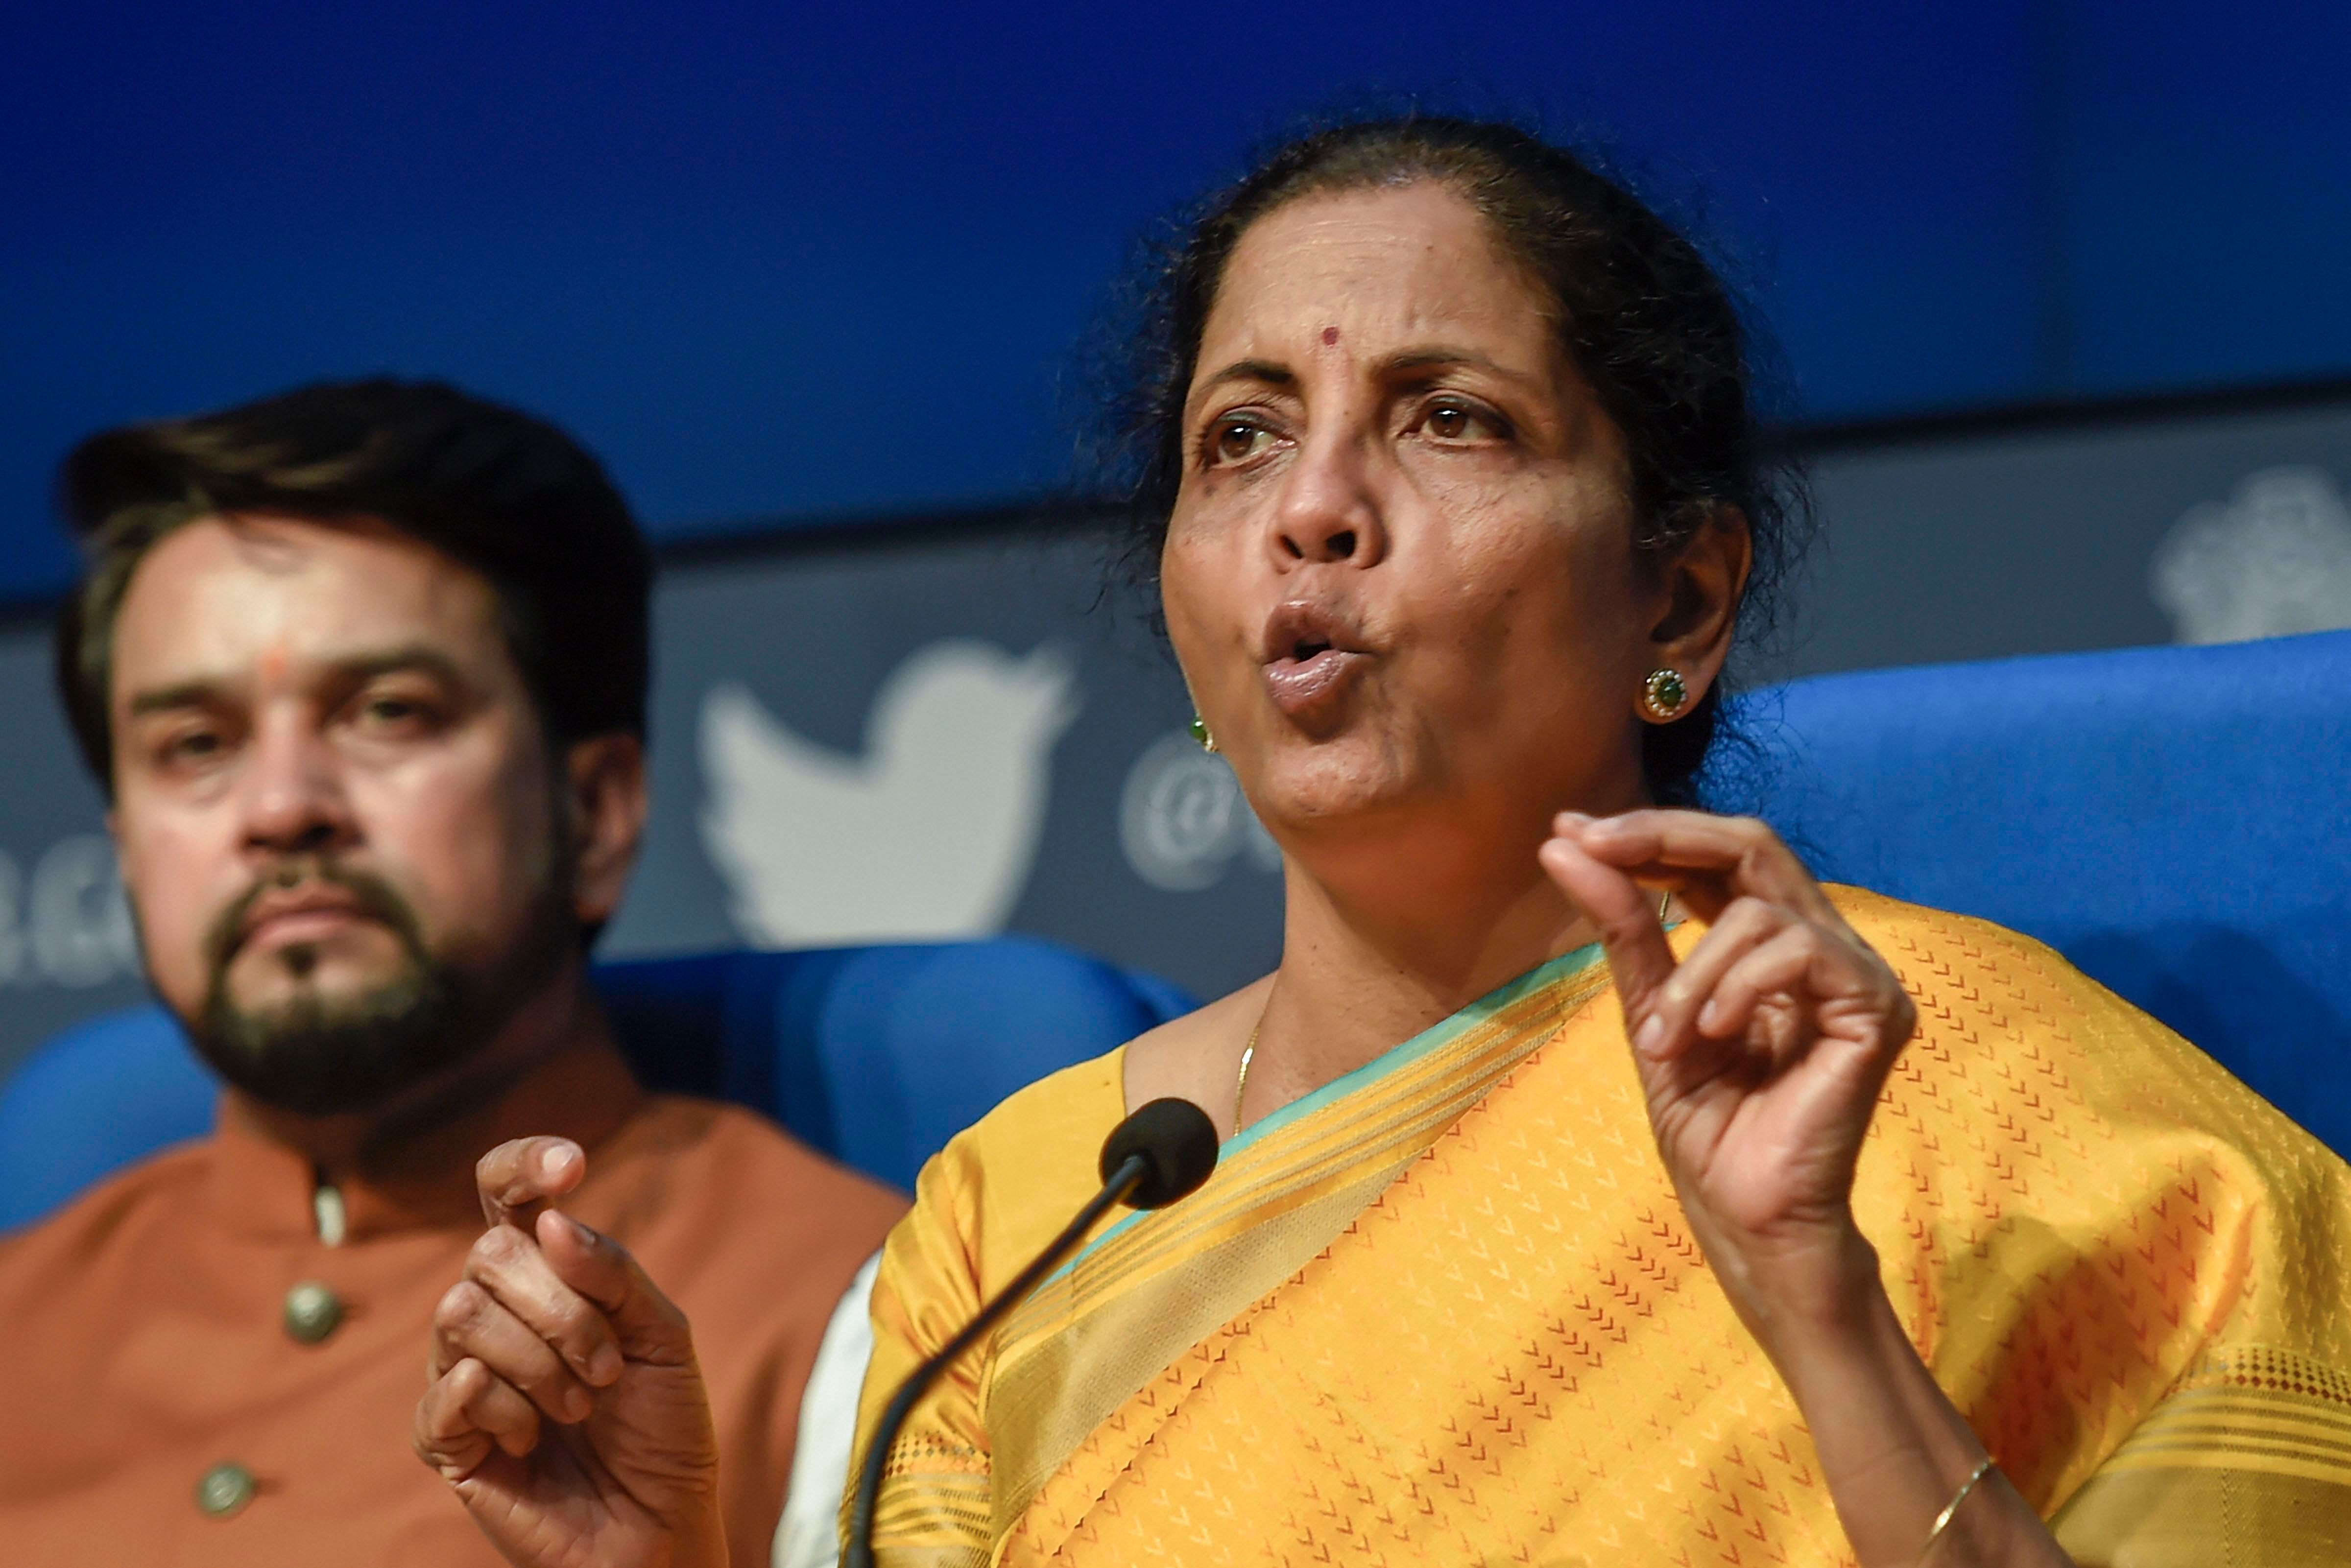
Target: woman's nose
1327 513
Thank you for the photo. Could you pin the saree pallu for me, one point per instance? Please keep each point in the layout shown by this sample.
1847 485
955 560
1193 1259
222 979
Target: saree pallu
1447 1308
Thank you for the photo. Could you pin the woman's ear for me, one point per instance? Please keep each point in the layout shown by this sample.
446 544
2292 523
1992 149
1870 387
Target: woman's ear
1703 584
608 798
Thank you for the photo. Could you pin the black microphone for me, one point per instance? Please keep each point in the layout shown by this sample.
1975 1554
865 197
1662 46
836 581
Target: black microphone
1163 1152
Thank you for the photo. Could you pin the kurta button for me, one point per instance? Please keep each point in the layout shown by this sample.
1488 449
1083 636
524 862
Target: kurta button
312 1311
225 1488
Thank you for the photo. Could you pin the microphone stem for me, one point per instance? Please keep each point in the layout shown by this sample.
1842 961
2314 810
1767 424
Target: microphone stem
859 1552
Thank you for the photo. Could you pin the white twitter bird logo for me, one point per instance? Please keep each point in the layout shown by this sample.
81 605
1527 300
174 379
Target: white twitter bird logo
928 836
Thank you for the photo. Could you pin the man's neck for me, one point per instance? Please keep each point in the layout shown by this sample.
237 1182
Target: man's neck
448 1121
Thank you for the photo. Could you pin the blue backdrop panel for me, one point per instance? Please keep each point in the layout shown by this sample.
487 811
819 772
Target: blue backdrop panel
817 261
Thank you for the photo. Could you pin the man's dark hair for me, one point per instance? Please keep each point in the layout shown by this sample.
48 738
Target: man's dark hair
508 495
1648 321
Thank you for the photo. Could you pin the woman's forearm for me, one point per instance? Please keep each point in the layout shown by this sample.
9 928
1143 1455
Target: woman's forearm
1893 1447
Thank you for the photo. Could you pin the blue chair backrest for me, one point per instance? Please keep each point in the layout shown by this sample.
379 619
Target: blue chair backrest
90 1101
2175 821
875 1055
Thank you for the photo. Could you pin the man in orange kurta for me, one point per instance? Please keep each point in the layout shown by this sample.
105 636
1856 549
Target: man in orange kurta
362 670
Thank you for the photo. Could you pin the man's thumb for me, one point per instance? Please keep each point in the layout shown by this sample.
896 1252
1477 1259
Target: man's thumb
648 1325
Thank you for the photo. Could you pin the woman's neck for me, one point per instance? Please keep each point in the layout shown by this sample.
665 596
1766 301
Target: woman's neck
1394 928
1367 966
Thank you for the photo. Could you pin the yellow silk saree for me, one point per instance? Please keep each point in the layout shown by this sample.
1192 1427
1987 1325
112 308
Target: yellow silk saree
1446 1310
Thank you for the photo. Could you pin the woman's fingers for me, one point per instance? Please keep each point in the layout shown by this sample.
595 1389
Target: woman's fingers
1671 1020
1735 856
1622 912
1802 959
1782 963
470 1322
1777 971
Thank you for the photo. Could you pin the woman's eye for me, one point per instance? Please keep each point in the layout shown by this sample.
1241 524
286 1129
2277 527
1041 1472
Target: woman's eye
1238 441
1459 422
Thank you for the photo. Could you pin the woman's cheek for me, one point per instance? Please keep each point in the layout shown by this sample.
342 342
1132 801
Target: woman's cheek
1201 596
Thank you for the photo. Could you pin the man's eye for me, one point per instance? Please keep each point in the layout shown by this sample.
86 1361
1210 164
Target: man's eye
395 713
191 746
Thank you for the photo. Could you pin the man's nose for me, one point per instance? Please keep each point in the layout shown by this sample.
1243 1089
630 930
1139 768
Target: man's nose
1329 511
292 789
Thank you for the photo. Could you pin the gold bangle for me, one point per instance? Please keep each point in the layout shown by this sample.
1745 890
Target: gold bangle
1951 1508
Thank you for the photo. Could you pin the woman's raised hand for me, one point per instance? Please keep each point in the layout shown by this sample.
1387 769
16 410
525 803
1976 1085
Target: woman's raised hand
565 1405
1761 1053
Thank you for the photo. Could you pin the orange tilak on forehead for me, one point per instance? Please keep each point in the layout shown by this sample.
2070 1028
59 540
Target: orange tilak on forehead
273 662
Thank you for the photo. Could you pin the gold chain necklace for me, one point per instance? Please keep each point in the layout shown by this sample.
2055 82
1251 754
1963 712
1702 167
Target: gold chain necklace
1249 1051
1248 1054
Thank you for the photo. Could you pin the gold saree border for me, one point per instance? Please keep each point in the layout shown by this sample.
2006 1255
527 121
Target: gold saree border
2249 1407
901 1554
2248 1460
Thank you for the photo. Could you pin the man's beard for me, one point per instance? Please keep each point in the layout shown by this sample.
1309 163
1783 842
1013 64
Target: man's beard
316 1054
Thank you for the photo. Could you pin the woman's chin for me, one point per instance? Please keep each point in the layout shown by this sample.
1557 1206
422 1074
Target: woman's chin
1320 792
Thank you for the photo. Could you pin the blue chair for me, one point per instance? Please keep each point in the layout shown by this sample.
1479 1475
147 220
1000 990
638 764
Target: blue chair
875 1055
2175 821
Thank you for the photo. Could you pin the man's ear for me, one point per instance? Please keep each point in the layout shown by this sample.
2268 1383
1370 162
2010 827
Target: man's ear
606 779
1703 585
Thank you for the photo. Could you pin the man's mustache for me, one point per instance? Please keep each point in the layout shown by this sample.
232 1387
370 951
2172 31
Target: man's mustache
370 895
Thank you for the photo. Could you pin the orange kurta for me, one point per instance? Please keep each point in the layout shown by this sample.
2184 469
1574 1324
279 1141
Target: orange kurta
145 1340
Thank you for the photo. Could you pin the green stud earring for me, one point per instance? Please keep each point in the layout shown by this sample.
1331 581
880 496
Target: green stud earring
1200 733
1664 692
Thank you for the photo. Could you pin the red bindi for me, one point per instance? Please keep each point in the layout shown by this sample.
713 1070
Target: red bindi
1330 335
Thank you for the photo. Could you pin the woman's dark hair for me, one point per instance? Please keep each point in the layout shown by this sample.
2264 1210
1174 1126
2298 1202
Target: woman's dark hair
1650 325
509 496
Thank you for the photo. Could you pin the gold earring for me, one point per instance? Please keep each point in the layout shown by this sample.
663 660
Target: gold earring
1199 728
1664 692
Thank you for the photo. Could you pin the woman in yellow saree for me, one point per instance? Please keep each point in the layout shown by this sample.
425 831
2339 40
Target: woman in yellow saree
1459 502
1554 1224
1447 1308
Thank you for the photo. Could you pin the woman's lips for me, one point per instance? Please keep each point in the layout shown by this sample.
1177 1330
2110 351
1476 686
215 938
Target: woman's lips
1311 651
1301 685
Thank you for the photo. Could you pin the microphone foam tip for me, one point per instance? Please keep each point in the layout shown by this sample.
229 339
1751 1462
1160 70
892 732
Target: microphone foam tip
1177 1141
